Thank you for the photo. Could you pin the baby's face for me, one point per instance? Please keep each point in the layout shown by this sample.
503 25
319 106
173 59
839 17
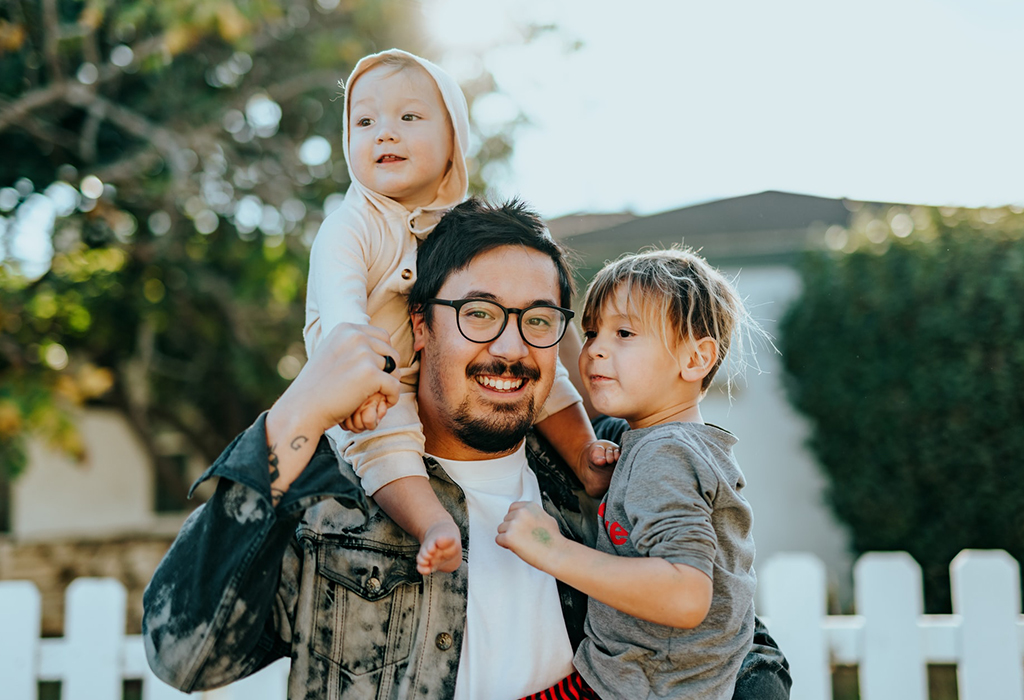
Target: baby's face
400 139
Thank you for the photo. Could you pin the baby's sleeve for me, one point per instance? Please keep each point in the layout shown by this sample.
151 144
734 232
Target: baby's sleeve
669 503
563 394
338 270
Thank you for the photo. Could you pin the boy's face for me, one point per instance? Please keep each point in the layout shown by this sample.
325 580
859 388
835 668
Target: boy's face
628 371
400 141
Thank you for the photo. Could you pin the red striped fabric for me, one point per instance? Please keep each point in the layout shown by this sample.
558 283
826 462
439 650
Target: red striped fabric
570 688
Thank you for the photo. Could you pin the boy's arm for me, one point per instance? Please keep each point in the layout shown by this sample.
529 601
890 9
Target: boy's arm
649 588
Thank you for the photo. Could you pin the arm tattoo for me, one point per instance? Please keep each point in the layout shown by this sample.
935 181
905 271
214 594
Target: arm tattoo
272 462
298 442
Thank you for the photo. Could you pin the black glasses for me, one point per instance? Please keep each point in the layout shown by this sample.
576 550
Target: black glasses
482 320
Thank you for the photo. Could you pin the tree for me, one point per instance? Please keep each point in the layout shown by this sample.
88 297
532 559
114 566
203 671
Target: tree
184 152
906 351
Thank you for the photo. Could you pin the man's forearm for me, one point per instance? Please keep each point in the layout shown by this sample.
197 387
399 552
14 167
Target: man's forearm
291 442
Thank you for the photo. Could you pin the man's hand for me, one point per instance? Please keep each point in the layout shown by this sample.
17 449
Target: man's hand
532 535
595 466
345 370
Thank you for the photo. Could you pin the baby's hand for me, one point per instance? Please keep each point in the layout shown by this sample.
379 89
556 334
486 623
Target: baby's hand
597 461
441 549
531 534
368 416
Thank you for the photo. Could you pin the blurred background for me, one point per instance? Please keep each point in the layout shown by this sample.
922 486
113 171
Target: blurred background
164 168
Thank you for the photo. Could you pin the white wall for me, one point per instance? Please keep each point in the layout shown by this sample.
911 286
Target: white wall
784 484
110 493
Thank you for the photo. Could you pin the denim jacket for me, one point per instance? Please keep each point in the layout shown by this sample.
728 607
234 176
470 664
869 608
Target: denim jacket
327 579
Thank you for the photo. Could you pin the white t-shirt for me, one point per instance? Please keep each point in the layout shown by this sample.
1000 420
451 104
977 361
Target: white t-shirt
515 642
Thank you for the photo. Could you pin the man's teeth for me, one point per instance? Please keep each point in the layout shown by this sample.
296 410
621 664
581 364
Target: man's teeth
500 384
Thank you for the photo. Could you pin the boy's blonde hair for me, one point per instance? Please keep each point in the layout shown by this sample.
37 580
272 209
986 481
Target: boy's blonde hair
677 294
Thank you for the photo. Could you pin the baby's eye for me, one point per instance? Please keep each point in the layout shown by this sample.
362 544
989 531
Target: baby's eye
623 333
365 121
410 117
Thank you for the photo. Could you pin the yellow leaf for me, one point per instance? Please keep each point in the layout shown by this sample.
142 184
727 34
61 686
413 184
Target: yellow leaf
12 36
179 38
10 419
231 24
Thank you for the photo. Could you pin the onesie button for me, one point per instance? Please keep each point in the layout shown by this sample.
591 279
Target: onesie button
373 585
443 641
407 274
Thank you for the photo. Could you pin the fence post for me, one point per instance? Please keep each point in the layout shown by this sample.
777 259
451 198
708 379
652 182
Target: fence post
888 594
20 626
986 592
270 683
94 624
794 598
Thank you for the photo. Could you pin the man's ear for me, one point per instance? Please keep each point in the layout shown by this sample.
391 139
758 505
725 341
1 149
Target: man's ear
419 331
697 359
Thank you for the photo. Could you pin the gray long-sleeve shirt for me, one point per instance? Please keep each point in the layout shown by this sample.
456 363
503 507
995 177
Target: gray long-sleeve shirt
676 494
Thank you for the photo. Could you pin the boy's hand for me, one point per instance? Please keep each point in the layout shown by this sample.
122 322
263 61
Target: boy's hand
595 466
531 534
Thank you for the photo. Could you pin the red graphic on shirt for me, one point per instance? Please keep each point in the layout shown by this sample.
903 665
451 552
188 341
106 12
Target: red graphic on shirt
616 532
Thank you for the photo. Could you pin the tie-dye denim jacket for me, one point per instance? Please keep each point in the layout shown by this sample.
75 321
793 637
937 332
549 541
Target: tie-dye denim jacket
327 579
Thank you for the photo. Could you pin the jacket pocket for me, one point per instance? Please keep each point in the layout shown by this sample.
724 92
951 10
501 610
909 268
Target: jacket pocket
367 602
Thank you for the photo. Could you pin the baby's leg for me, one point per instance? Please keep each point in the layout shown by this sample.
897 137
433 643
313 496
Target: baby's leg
414 506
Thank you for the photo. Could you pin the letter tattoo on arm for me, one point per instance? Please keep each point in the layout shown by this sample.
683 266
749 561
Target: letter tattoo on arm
298 442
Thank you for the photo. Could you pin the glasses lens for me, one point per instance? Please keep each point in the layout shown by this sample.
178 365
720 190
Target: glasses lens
480 321
542 325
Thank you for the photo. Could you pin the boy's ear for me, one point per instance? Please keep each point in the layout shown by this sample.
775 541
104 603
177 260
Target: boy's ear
697 359
419 330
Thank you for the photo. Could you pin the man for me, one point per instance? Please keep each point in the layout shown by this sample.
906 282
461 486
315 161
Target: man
287 559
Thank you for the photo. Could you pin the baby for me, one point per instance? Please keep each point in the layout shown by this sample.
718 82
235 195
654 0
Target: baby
671 583
406 132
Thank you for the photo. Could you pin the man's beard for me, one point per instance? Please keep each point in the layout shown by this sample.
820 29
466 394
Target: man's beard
505 426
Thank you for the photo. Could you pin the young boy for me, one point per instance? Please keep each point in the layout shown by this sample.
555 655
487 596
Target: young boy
406 132
671 582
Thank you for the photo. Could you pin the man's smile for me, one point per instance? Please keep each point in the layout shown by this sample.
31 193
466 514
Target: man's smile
502 384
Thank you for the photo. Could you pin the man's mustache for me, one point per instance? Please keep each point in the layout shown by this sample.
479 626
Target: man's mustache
498 368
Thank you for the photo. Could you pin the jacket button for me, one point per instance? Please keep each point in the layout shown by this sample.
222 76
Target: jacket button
407 274
443 641
373 585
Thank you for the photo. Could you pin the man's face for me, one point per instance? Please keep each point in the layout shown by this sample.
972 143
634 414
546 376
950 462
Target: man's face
466 410
400 139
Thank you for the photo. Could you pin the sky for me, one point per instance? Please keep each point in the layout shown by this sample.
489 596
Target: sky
671 102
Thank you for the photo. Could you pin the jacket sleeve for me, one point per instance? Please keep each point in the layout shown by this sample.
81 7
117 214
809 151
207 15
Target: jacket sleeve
221 604
764 674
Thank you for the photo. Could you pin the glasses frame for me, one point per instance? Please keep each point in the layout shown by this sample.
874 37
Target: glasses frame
457 304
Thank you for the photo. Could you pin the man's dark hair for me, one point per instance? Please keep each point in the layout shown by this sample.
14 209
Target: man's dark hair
475 227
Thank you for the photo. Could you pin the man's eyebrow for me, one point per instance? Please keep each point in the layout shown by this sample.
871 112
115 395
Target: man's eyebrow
480 294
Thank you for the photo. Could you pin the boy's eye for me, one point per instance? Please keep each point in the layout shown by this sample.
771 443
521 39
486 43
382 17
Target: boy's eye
589 335
365 121
410 117
623 333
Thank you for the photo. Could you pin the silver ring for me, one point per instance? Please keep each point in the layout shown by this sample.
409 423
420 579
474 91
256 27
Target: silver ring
389 364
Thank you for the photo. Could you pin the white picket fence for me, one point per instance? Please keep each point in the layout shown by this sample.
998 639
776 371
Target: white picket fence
889 639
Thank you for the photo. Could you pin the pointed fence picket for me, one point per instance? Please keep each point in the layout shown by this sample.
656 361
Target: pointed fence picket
889 639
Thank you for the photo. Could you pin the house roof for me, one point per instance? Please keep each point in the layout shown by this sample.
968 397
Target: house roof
768 227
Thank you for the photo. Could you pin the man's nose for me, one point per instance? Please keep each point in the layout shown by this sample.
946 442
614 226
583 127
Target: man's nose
510 345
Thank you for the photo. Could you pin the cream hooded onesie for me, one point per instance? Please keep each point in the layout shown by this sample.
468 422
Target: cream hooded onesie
361 268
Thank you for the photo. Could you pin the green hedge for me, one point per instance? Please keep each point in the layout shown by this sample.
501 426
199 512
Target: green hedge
907 356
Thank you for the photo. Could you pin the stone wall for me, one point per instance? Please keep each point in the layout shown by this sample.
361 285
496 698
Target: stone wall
52 565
